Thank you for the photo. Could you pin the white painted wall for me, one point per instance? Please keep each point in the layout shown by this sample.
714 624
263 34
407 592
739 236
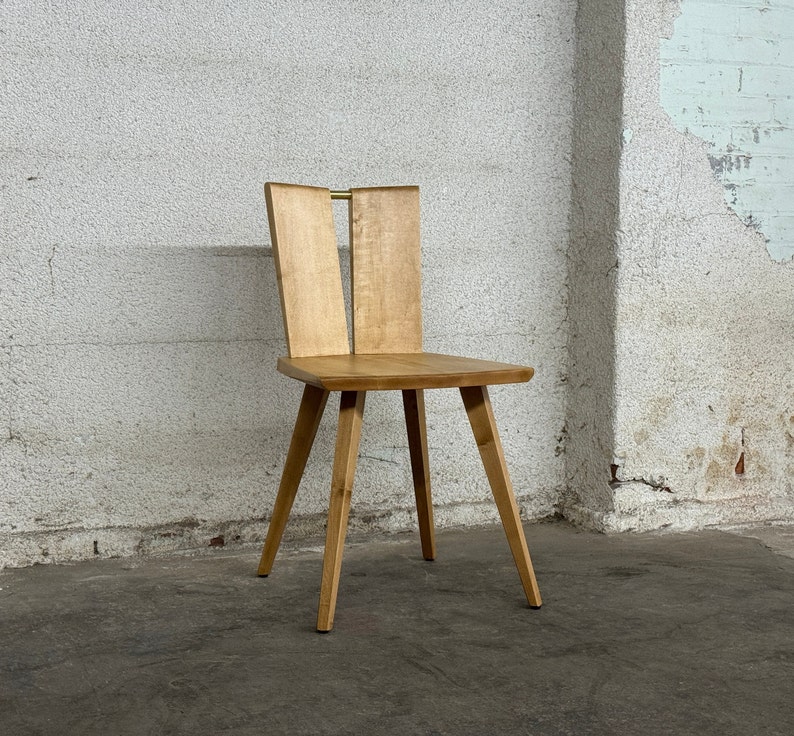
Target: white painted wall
704 326
592 260
139 322
569 222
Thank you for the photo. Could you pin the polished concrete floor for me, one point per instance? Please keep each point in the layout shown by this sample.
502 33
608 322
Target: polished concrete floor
673 634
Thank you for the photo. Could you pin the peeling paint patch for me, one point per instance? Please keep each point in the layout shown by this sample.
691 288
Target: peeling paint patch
727 75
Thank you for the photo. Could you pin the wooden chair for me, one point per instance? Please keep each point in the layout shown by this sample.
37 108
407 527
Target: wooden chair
387 354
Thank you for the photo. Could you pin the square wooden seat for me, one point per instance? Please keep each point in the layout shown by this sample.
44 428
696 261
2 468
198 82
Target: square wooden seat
354 372
387 355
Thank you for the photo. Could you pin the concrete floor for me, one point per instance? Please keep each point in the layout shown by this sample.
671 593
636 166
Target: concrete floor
678 634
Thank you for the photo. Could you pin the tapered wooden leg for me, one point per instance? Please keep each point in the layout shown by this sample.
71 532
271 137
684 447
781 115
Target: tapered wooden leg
351 411
309 415
414 405
478 408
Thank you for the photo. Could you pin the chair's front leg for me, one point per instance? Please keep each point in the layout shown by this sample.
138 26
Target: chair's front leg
351 412
309 415
415 423
478 408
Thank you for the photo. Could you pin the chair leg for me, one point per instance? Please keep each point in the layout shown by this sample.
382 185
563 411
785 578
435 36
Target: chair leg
478 408
309 415
414 405
351 411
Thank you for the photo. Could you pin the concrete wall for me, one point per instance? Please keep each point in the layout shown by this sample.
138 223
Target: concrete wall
139 320
681 305
592 258
578 216
704 379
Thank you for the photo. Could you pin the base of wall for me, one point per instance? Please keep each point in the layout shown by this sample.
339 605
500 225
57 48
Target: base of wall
190 536
638 508
77 545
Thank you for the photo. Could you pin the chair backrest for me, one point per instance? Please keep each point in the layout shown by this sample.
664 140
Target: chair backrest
307 269
385 267
386 270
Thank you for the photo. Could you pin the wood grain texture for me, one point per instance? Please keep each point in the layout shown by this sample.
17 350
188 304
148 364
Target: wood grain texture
481 418
351 412
307 267
416 425
386 270
309 415
400 371
387 317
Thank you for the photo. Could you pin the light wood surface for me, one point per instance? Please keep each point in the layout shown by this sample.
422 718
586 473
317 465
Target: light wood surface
351 412
401 371
386 270
480 413
309 415
307 268
416 424
387 326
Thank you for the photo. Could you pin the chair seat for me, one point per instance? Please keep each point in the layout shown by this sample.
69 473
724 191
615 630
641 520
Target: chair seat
382 372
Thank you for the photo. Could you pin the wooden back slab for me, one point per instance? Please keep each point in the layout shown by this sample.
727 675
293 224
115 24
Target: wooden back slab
307 267
386 270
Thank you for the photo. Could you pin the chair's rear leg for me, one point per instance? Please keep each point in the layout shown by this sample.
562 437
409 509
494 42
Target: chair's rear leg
351 411
478 408
309 415
414 405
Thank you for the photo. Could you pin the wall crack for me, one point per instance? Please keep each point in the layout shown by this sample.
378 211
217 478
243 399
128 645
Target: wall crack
658 484
49 267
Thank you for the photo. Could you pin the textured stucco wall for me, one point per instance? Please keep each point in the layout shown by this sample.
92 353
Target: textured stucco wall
139 322
592 258
704 335
681 405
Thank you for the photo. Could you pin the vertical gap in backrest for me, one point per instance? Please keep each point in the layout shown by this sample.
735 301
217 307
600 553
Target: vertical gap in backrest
341 209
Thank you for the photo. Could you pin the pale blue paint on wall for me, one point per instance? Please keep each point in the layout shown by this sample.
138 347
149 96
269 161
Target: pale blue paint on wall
727 76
